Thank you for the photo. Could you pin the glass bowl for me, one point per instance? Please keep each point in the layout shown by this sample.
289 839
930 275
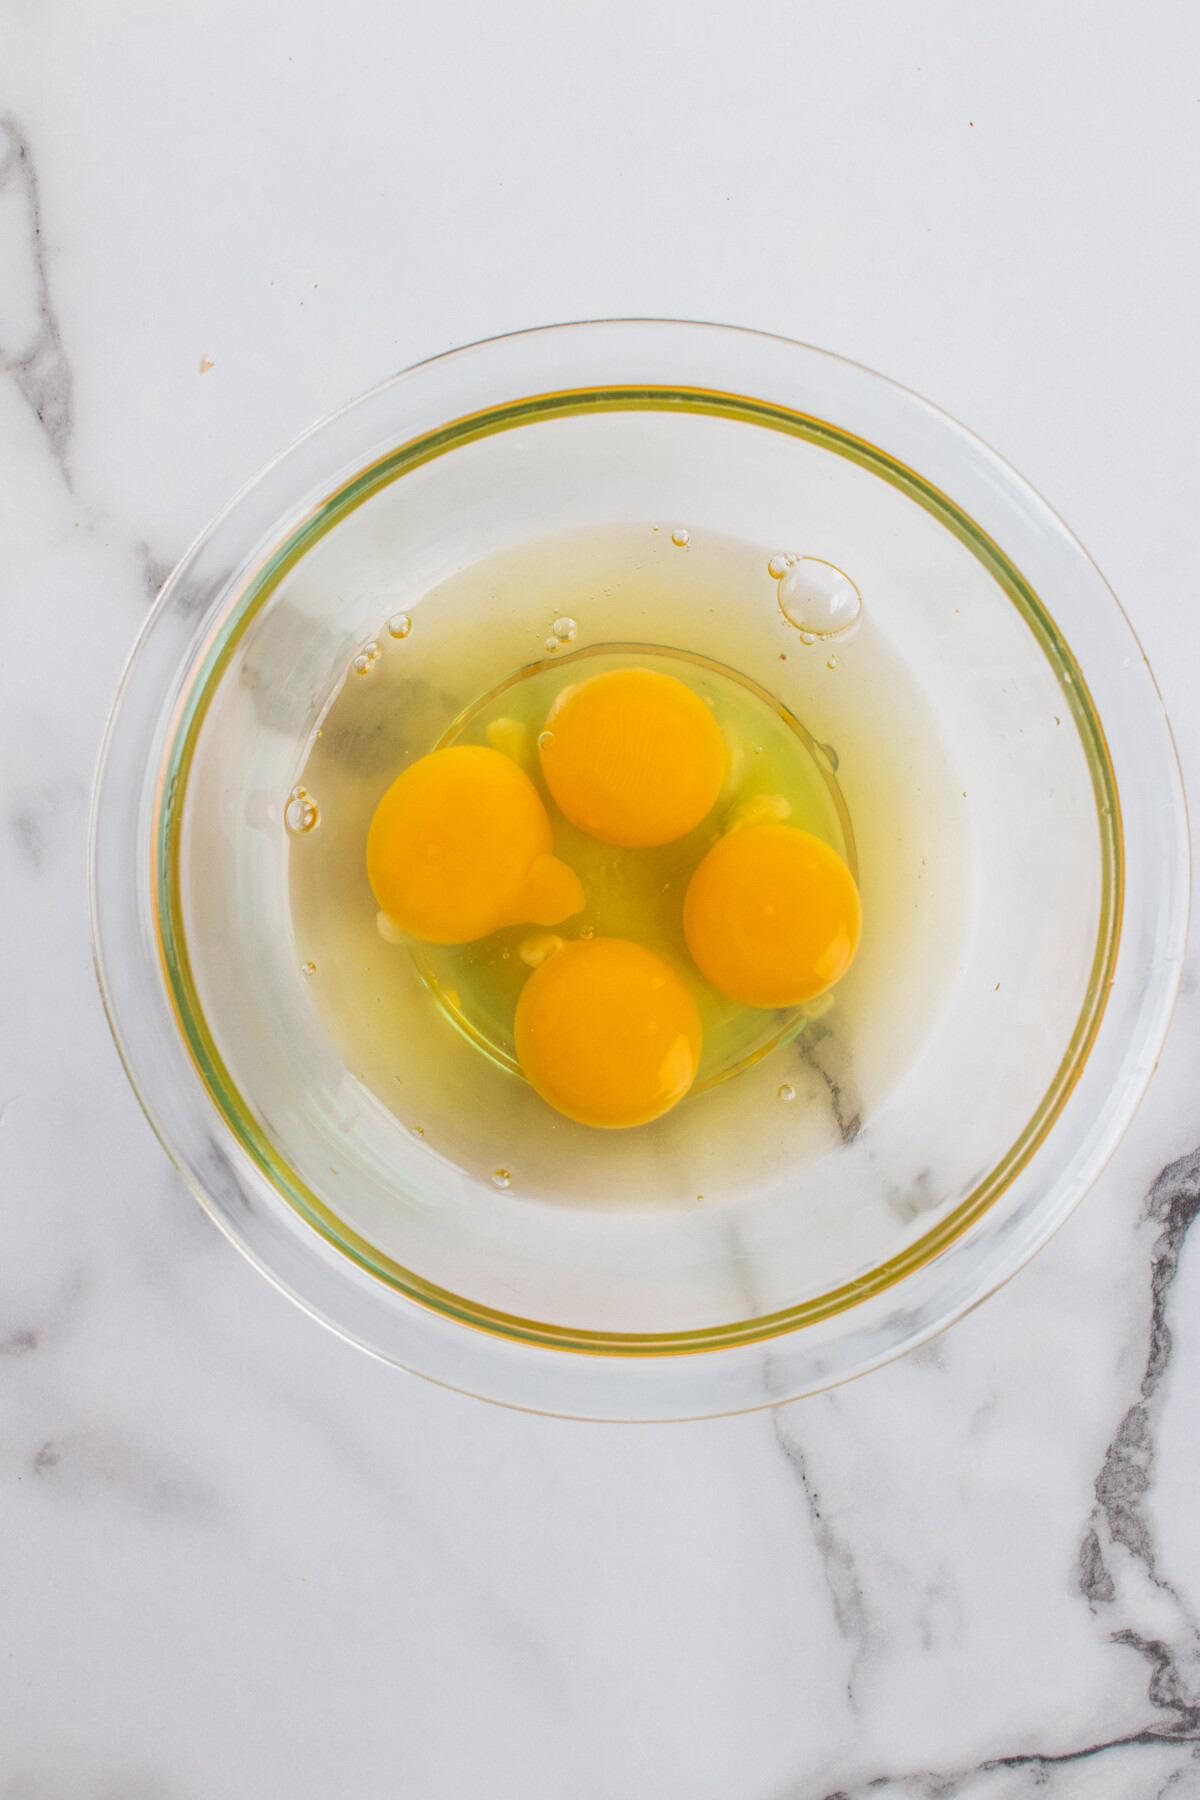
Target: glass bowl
1028 974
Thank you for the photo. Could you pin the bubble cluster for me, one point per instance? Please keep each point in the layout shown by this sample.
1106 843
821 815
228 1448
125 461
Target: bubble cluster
300 814
399 625
367 658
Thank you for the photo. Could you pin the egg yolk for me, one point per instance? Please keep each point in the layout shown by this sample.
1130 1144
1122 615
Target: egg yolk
632 757
608 1033
461 844
772 916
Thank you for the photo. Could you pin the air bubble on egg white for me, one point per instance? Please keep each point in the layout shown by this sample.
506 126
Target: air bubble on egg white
399 625
552 644
818 599
787 1091
681 537
300 814
501 1178
545 739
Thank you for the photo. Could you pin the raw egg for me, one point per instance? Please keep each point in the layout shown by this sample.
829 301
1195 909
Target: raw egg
461 844
633 757
772 916
608 1032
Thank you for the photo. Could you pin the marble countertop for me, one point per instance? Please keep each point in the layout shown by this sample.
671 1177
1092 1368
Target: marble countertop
240 1559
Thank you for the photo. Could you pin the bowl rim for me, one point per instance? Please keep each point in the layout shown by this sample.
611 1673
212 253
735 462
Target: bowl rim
224 633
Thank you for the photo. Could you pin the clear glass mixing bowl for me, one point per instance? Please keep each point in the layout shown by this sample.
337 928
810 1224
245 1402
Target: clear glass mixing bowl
822 1265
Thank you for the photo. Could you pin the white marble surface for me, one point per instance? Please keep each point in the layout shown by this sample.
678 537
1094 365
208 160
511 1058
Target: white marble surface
238 1558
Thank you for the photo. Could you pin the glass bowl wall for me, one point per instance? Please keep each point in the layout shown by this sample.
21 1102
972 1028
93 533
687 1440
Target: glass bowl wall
844 1243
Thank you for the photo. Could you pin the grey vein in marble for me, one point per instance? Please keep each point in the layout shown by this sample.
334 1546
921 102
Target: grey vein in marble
154 571
23 1336
837 1558
828 1057
38 362
1172 1203
977 1783
1119 1521
30 815
78 1463
20 1342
